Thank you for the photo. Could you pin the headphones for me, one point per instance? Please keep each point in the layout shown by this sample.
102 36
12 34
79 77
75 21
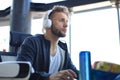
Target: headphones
47 22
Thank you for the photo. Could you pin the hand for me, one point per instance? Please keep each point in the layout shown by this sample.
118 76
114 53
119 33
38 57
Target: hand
63 75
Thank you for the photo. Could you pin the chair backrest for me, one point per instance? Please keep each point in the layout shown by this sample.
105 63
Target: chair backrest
16 39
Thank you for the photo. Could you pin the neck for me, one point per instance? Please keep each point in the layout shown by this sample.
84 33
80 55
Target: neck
53 45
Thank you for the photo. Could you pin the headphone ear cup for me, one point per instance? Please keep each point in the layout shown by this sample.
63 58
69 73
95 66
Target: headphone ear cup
47 23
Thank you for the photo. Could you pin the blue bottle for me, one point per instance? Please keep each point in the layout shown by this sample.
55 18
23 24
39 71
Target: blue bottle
85 65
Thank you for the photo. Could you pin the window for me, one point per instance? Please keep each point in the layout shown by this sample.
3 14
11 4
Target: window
4 38
97 32
5 4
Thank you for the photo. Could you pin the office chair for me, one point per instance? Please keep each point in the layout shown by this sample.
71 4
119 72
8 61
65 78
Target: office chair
10 69
15 70
16 39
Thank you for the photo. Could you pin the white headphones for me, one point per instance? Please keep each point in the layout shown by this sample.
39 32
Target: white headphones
47 22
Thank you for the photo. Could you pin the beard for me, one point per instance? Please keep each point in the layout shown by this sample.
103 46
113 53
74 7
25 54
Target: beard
57 32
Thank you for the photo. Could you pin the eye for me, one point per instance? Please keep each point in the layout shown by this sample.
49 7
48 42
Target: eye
63 20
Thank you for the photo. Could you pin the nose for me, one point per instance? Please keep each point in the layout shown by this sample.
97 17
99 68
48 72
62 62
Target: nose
66 24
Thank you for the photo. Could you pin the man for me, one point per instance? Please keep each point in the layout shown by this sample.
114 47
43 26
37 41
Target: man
47 54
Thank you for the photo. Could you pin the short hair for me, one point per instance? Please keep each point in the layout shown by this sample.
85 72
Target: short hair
59 8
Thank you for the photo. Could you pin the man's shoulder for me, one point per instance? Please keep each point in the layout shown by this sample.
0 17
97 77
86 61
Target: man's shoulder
36 36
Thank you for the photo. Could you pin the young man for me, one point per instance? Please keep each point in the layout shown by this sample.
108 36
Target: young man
47 54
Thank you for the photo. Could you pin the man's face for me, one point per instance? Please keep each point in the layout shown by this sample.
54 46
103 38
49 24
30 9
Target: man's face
59 24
